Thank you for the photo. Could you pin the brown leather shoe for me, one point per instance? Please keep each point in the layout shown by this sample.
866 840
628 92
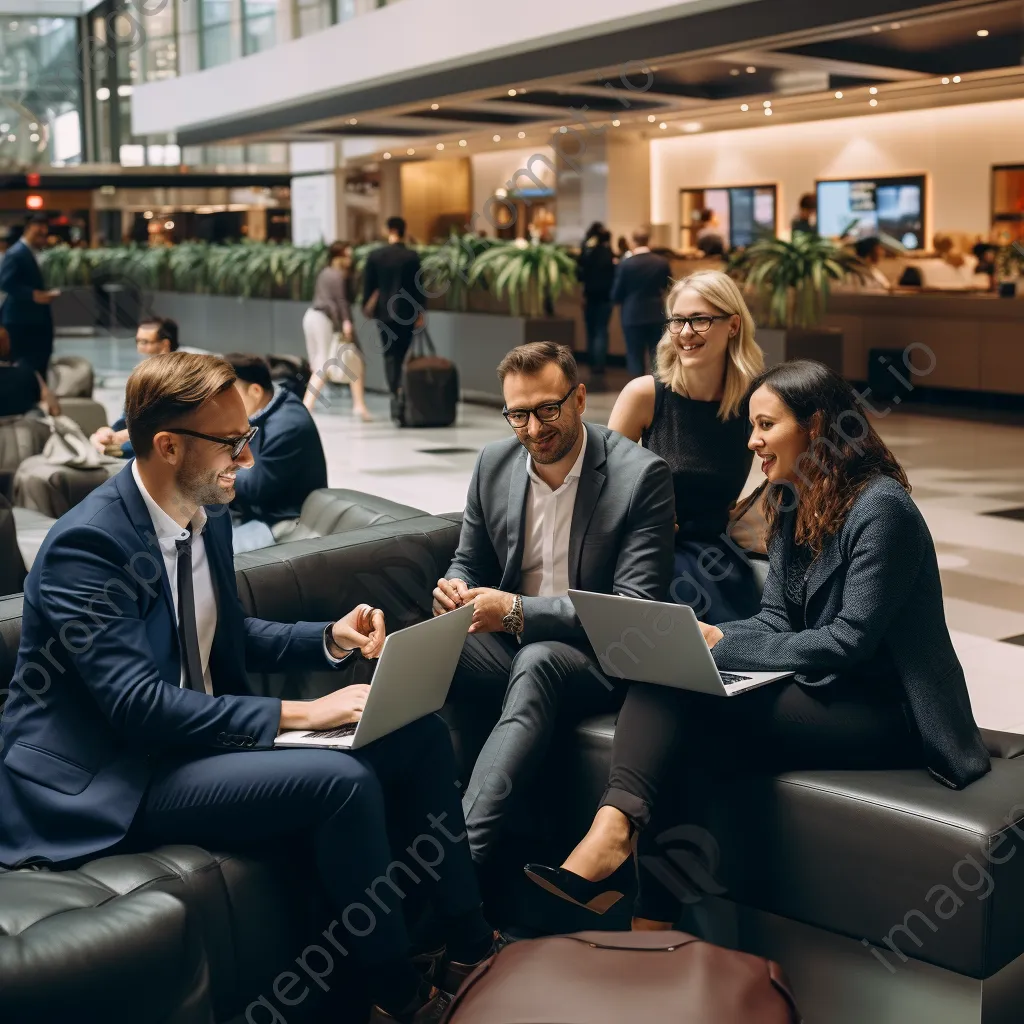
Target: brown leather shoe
431 1012
455 973
429 964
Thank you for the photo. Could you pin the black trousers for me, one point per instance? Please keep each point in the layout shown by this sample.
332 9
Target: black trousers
541 687
33 344
665 736
238 800
641 343
395 342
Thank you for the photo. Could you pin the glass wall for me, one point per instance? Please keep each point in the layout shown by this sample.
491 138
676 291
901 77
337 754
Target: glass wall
40 92
218 42
259 25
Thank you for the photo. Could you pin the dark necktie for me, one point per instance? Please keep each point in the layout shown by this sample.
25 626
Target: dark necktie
188 634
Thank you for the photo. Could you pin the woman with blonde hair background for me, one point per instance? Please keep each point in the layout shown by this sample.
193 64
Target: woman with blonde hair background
691 413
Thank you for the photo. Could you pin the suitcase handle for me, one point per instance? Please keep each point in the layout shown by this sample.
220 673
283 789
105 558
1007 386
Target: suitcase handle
422 344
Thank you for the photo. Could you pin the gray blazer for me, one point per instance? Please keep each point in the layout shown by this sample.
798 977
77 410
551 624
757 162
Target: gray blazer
876 584
620 541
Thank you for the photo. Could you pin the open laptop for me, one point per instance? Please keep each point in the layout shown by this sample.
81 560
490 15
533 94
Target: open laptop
411 679
652 642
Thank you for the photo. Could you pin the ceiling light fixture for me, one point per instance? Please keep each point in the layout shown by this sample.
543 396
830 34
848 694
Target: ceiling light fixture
768 112
982 32
103 94
876 28
169 225
33 137
651 118
734 72
511 92
411 152
751 70
767 103
33 127
522 135
872 103
353 120
440 146
692 126
663 125
148 215
956 79
124 90
744 107
616 123
387 156
435 106
945 81
564 130
462 142
873 91
496 138
500 193
839 95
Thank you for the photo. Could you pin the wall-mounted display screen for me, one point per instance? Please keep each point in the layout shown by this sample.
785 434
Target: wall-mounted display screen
862 207
735 216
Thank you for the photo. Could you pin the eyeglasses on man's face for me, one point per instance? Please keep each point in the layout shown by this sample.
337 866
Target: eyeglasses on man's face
236 444
548 412
698 324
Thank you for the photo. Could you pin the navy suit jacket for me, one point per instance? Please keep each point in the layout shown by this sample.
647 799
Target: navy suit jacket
639 287
19 277
95 698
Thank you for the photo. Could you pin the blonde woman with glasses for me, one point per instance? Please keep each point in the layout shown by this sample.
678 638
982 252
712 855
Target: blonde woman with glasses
690 412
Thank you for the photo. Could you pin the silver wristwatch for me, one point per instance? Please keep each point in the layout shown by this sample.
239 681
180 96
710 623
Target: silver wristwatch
513 622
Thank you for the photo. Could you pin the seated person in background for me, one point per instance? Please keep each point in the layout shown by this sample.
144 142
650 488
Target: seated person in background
690 412
709 238
806 219
852 605
22 390
870 252
289 457
153 337
151 736
561 505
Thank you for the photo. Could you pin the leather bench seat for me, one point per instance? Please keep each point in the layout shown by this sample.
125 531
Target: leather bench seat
855 852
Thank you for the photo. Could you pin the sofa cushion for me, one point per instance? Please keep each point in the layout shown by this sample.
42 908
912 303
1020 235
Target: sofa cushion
331 510
860 853
71 949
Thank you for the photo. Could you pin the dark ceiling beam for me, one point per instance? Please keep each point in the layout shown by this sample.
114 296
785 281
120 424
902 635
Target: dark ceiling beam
932 62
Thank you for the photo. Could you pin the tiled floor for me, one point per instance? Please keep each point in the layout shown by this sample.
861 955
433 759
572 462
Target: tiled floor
968 479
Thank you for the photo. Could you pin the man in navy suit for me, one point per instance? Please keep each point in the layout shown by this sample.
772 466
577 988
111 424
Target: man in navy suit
128 723
26 311
640 284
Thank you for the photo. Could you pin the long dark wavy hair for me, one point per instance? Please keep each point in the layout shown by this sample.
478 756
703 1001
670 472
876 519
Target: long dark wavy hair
844 451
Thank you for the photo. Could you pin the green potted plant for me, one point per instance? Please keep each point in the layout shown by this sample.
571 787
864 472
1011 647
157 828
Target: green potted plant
447 268
790 283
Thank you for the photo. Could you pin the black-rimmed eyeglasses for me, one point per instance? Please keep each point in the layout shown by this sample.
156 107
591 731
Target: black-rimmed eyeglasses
546 413
698 324
236 444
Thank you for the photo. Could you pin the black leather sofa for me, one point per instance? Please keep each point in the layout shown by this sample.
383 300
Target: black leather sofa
817 869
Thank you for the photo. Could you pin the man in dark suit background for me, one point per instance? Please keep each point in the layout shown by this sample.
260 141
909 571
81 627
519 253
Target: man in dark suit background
129 722
560 505
26 311
641 282
394 297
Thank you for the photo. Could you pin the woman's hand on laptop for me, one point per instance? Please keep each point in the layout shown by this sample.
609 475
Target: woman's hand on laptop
328 712
449 595
712 634
362 629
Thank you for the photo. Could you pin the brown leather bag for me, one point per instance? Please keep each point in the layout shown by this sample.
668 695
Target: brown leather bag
623 977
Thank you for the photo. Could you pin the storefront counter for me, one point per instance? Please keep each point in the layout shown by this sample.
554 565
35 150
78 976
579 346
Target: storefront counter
976 340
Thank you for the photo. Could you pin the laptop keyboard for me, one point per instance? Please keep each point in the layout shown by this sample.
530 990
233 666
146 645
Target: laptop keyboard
731 677
335 734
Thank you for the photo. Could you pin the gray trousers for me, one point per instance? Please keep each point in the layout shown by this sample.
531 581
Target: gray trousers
546 685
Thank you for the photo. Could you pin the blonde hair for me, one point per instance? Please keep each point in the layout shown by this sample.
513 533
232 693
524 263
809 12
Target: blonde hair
744 359
163 389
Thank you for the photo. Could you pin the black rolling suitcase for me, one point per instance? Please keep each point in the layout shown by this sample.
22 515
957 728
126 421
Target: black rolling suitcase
429 392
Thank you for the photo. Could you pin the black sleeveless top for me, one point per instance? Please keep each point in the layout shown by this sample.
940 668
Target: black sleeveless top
709 460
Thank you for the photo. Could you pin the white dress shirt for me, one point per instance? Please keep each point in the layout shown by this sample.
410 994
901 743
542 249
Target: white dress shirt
545 571
167 532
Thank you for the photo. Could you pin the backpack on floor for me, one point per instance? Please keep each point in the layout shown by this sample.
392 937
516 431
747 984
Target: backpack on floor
610 977
291 372
429 392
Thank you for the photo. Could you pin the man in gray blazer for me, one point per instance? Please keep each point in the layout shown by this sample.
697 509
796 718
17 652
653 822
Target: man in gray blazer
561 505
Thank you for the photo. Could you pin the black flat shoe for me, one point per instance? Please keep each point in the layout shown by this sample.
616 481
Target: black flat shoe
455 973
597 897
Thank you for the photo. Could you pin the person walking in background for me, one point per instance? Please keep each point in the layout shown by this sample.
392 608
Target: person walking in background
26 310
597 273
690 412
394 297
806 219
330 314
289 457
639 288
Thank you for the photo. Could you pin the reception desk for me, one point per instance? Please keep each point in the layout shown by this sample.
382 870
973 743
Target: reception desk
977 339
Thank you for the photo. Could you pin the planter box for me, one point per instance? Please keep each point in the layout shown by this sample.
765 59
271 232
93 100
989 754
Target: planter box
825 344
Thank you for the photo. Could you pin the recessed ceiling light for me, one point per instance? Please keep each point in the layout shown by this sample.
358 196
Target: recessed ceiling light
767 103
663 125
895 25
102 93
411 152
744 106
873 91
982 32
522 135
353 120
564 130
945 81
876 28
839 95
734 71
462 142
33 137
768 112
496 138
387 156
511 92
751 70
651 118
13 26
872 103
33 127
956 79
616 123
435 106
148 215
5 127
692 126
440 145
